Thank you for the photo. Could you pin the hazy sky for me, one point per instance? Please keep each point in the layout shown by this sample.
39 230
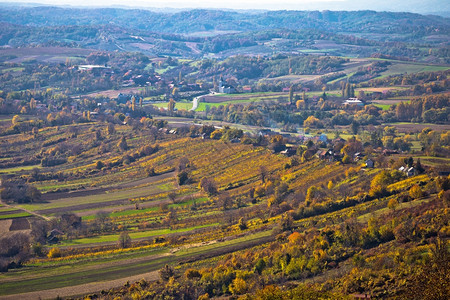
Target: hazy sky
379 5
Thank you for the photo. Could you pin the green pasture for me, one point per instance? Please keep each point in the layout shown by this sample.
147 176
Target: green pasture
382 106
228 243
16 69
133 235
6 209
178 105
79 273
18 169
401 68
14 216
121 213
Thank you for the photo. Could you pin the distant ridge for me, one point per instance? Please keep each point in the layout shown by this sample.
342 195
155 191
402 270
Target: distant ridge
426 7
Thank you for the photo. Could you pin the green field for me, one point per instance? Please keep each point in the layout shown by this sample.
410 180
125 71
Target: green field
401 68
178 105
134 235
14 216
18 169
382 106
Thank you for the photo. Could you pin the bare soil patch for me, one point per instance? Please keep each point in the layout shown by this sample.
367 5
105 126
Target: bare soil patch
114 93
42 53
219 99
19 224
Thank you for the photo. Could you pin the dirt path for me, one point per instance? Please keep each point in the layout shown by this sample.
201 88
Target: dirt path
83 289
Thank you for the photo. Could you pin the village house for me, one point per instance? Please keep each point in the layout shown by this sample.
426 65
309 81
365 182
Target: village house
370 163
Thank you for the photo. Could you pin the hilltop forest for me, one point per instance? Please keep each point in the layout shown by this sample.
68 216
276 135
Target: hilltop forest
211 154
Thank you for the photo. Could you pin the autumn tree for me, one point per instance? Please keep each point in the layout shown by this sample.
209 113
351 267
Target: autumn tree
166 273
182 177
111 129
124 240
171 106
415 192
122 144
431 280
208 185
291 94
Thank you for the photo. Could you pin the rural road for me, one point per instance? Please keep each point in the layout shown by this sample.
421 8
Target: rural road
197 100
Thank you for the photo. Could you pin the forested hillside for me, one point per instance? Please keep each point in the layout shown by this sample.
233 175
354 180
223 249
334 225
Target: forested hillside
189 33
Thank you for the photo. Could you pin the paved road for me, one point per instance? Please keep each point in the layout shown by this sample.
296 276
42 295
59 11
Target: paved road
197 100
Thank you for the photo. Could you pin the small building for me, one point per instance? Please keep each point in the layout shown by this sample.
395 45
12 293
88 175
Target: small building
411 172
370 163
264 132
358 156
408 171
289 151
388 152
226 89
54 235
353 101
247 89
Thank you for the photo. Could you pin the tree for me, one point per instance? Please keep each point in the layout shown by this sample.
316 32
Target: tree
32 104
111 129
355 127
172 196
242 224
122 144
54 253
238 286
182 177
330 185
166 273
133 103
171 106
15 120
208 185
99 165
312 121
263 174
124 240
291 94
415 192
392 204
286 222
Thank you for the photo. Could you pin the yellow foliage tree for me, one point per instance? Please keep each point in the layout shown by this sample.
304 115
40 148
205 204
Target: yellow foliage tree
238 286
415 192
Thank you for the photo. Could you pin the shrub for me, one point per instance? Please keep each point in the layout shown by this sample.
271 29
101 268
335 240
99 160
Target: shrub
54 253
